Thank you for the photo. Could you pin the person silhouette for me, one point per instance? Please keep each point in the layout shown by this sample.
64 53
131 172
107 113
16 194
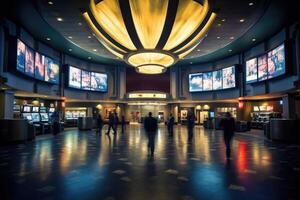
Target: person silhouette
150 126
228 125
99 123
123 123
170 124
111 123
190 124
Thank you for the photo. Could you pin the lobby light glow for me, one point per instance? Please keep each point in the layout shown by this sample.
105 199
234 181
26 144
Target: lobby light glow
150 35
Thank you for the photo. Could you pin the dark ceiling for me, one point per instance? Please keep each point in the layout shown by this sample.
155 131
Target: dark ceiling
229 34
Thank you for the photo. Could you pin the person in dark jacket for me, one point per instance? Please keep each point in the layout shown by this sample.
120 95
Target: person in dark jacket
190 124
150 126
99 123
116 121
170 124
228 125
123 123
111 123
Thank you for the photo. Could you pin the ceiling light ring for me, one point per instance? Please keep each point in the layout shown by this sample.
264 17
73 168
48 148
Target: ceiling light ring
161 51
195 33
104 33
164 69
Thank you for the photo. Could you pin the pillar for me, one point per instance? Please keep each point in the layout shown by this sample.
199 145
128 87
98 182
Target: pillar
289 106
6 104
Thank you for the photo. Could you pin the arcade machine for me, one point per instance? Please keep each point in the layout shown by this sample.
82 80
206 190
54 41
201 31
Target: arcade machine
51 111
36 119
17 111
26 113
45 124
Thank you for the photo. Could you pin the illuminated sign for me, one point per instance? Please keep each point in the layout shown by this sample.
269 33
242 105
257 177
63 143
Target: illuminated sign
147 95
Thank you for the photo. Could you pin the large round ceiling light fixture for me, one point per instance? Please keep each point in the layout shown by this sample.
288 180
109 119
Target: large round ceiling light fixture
150 35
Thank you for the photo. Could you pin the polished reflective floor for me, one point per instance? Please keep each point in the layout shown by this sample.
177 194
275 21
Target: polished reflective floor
83 165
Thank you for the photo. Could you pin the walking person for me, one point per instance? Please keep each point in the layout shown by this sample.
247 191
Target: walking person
116 122
170 124
99 123
228 125
150 126
123 123
111 123
190 124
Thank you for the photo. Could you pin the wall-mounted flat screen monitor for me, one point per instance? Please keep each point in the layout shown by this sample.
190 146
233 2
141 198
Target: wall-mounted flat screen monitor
27 116
26 109
251 70
196 82
228 77
39 66
276 62
51 71
17 108
29 62
217 80
51 110
207 81
74 77
36 117
262 68
98 82
35 109
85 80
44 117
21 51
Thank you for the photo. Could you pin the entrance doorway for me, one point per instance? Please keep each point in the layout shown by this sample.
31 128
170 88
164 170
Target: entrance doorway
201 116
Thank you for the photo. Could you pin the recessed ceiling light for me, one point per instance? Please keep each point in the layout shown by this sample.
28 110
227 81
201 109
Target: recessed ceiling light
191 62
70 37
70 49
59 19
230 50
198 50
223 20
253 39
94 34
79 24
89 37
89 57
251 4
242 20
95 50
50 2
219 24
218 37
232 38
47 38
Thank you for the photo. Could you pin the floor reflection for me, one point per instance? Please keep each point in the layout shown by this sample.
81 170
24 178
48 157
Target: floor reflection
85 165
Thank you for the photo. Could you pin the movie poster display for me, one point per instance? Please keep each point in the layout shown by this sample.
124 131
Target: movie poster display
207 81
228 77
217 80
276 62
196 84
39 69
74 77
262 68
85 80
251 70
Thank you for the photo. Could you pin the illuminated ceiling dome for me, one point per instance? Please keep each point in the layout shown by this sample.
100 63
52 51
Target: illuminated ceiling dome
150 35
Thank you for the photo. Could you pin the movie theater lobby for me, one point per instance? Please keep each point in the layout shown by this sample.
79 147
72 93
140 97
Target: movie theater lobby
78 79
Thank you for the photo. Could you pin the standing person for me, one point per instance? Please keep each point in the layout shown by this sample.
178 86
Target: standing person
111 121
116 122
228 125
190 124
123 123
99 123
150 125
170 124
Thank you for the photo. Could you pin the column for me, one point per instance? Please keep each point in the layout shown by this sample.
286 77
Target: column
6 104
289 106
